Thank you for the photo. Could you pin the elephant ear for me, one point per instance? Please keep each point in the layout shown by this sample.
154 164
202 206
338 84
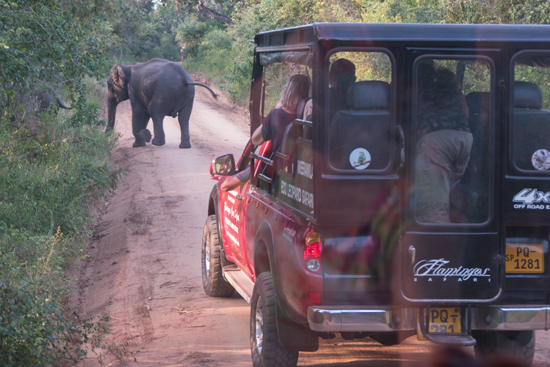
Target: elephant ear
117 74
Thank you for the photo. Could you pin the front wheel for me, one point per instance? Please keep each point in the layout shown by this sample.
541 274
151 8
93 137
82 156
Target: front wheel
264 338
213 281
516 344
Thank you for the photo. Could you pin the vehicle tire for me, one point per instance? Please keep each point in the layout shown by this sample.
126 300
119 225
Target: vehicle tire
213 281
516 344
264 338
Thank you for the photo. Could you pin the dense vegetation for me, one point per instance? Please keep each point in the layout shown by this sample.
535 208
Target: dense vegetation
52 166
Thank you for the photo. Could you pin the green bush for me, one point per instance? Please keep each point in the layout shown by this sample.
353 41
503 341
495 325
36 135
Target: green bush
51 168
34 329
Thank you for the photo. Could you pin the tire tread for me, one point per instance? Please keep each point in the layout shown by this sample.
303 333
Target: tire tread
214 284
274 354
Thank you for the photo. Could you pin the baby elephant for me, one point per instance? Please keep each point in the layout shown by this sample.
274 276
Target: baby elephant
156 88
46 99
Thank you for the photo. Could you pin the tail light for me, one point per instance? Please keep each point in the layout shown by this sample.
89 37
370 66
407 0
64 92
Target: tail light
312 251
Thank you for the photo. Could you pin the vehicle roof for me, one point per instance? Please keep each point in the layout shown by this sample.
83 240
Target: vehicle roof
403 32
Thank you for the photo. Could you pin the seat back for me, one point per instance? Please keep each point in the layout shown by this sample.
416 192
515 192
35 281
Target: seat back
531 125
364 124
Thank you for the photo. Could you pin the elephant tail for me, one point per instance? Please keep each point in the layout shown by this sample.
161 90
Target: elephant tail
202 85
57 99
61 104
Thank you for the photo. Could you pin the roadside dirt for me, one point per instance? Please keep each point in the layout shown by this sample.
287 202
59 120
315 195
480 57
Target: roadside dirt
144 271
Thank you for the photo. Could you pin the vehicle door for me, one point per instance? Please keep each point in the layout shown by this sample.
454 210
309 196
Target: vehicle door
232 209
450 245
526 184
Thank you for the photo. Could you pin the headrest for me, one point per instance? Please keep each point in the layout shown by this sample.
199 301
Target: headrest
368 95
478 102
527 95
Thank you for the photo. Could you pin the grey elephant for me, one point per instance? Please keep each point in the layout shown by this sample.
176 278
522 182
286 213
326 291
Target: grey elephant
46 99
156 88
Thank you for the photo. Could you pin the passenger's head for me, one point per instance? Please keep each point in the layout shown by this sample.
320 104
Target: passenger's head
441 87
295 90
342 74
426 75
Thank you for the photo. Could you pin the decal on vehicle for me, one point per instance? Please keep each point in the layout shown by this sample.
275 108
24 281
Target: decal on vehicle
541 160
305 169
297 194
532 199
230 212
359 158
437 268
289 233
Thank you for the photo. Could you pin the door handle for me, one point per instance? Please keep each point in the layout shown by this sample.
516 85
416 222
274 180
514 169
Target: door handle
412 251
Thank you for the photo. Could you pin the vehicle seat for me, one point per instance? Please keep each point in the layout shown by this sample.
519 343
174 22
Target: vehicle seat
365 124
531 125
470 197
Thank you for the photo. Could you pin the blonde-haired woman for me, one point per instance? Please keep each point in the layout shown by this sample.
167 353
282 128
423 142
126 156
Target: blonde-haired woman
274 124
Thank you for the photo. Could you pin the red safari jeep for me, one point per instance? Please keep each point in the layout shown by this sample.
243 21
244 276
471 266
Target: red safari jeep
352 228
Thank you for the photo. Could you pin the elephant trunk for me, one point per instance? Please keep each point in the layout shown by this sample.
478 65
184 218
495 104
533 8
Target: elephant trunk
111 113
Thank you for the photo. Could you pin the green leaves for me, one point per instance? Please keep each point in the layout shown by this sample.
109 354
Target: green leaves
34 330
52 41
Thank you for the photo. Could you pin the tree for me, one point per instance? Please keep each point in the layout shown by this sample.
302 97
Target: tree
52 41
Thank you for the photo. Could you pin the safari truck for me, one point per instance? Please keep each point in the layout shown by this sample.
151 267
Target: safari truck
387 214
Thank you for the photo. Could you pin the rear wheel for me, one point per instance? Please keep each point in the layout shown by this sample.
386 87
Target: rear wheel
266 349
212 278
516 344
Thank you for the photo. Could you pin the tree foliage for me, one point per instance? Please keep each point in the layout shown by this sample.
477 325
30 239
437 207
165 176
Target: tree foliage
52 41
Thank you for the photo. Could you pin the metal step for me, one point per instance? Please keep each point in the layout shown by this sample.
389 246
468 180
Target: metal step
239 280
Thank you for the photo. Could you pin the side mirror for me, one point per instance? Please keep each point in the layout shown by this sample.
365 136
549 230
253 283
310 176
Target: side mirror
223 165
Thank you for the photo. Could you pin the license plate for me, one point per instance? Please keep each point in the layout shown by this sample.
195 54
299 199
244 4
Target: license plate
524 258
441 320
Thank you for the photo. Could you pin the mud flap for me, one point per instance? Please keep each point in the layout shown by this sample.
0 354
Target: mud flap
295 337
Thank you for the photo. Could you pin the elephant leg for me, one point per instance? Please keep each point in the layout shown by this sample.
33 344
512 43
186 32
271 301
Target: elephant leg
183 117
139 123
159 138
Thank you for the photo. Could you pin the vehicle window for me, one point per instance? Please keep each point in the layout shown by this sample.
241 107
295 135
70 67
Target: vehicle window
452 112
286 90
276 76
359 111
531 116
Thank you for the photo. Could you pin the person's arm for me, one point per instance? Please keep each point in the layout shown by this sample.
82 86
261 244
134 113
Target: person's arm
257 138
230 183
236 180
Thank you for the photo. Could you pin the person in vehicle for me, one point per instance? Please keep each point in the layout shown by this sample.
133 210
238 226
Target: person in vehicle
444 142
274 124
341 77
236 180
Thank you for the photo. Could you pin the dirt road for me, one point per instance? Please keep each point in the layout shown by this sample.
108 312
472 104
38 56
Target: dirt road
144 266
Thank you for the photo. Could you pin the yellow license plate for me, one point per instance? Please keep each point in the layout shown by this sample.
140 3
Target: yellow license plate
524 258
441 320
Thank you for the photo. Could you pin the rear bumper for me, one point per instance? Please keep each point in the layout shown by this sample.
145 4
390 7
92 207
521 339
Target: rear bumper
365 319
